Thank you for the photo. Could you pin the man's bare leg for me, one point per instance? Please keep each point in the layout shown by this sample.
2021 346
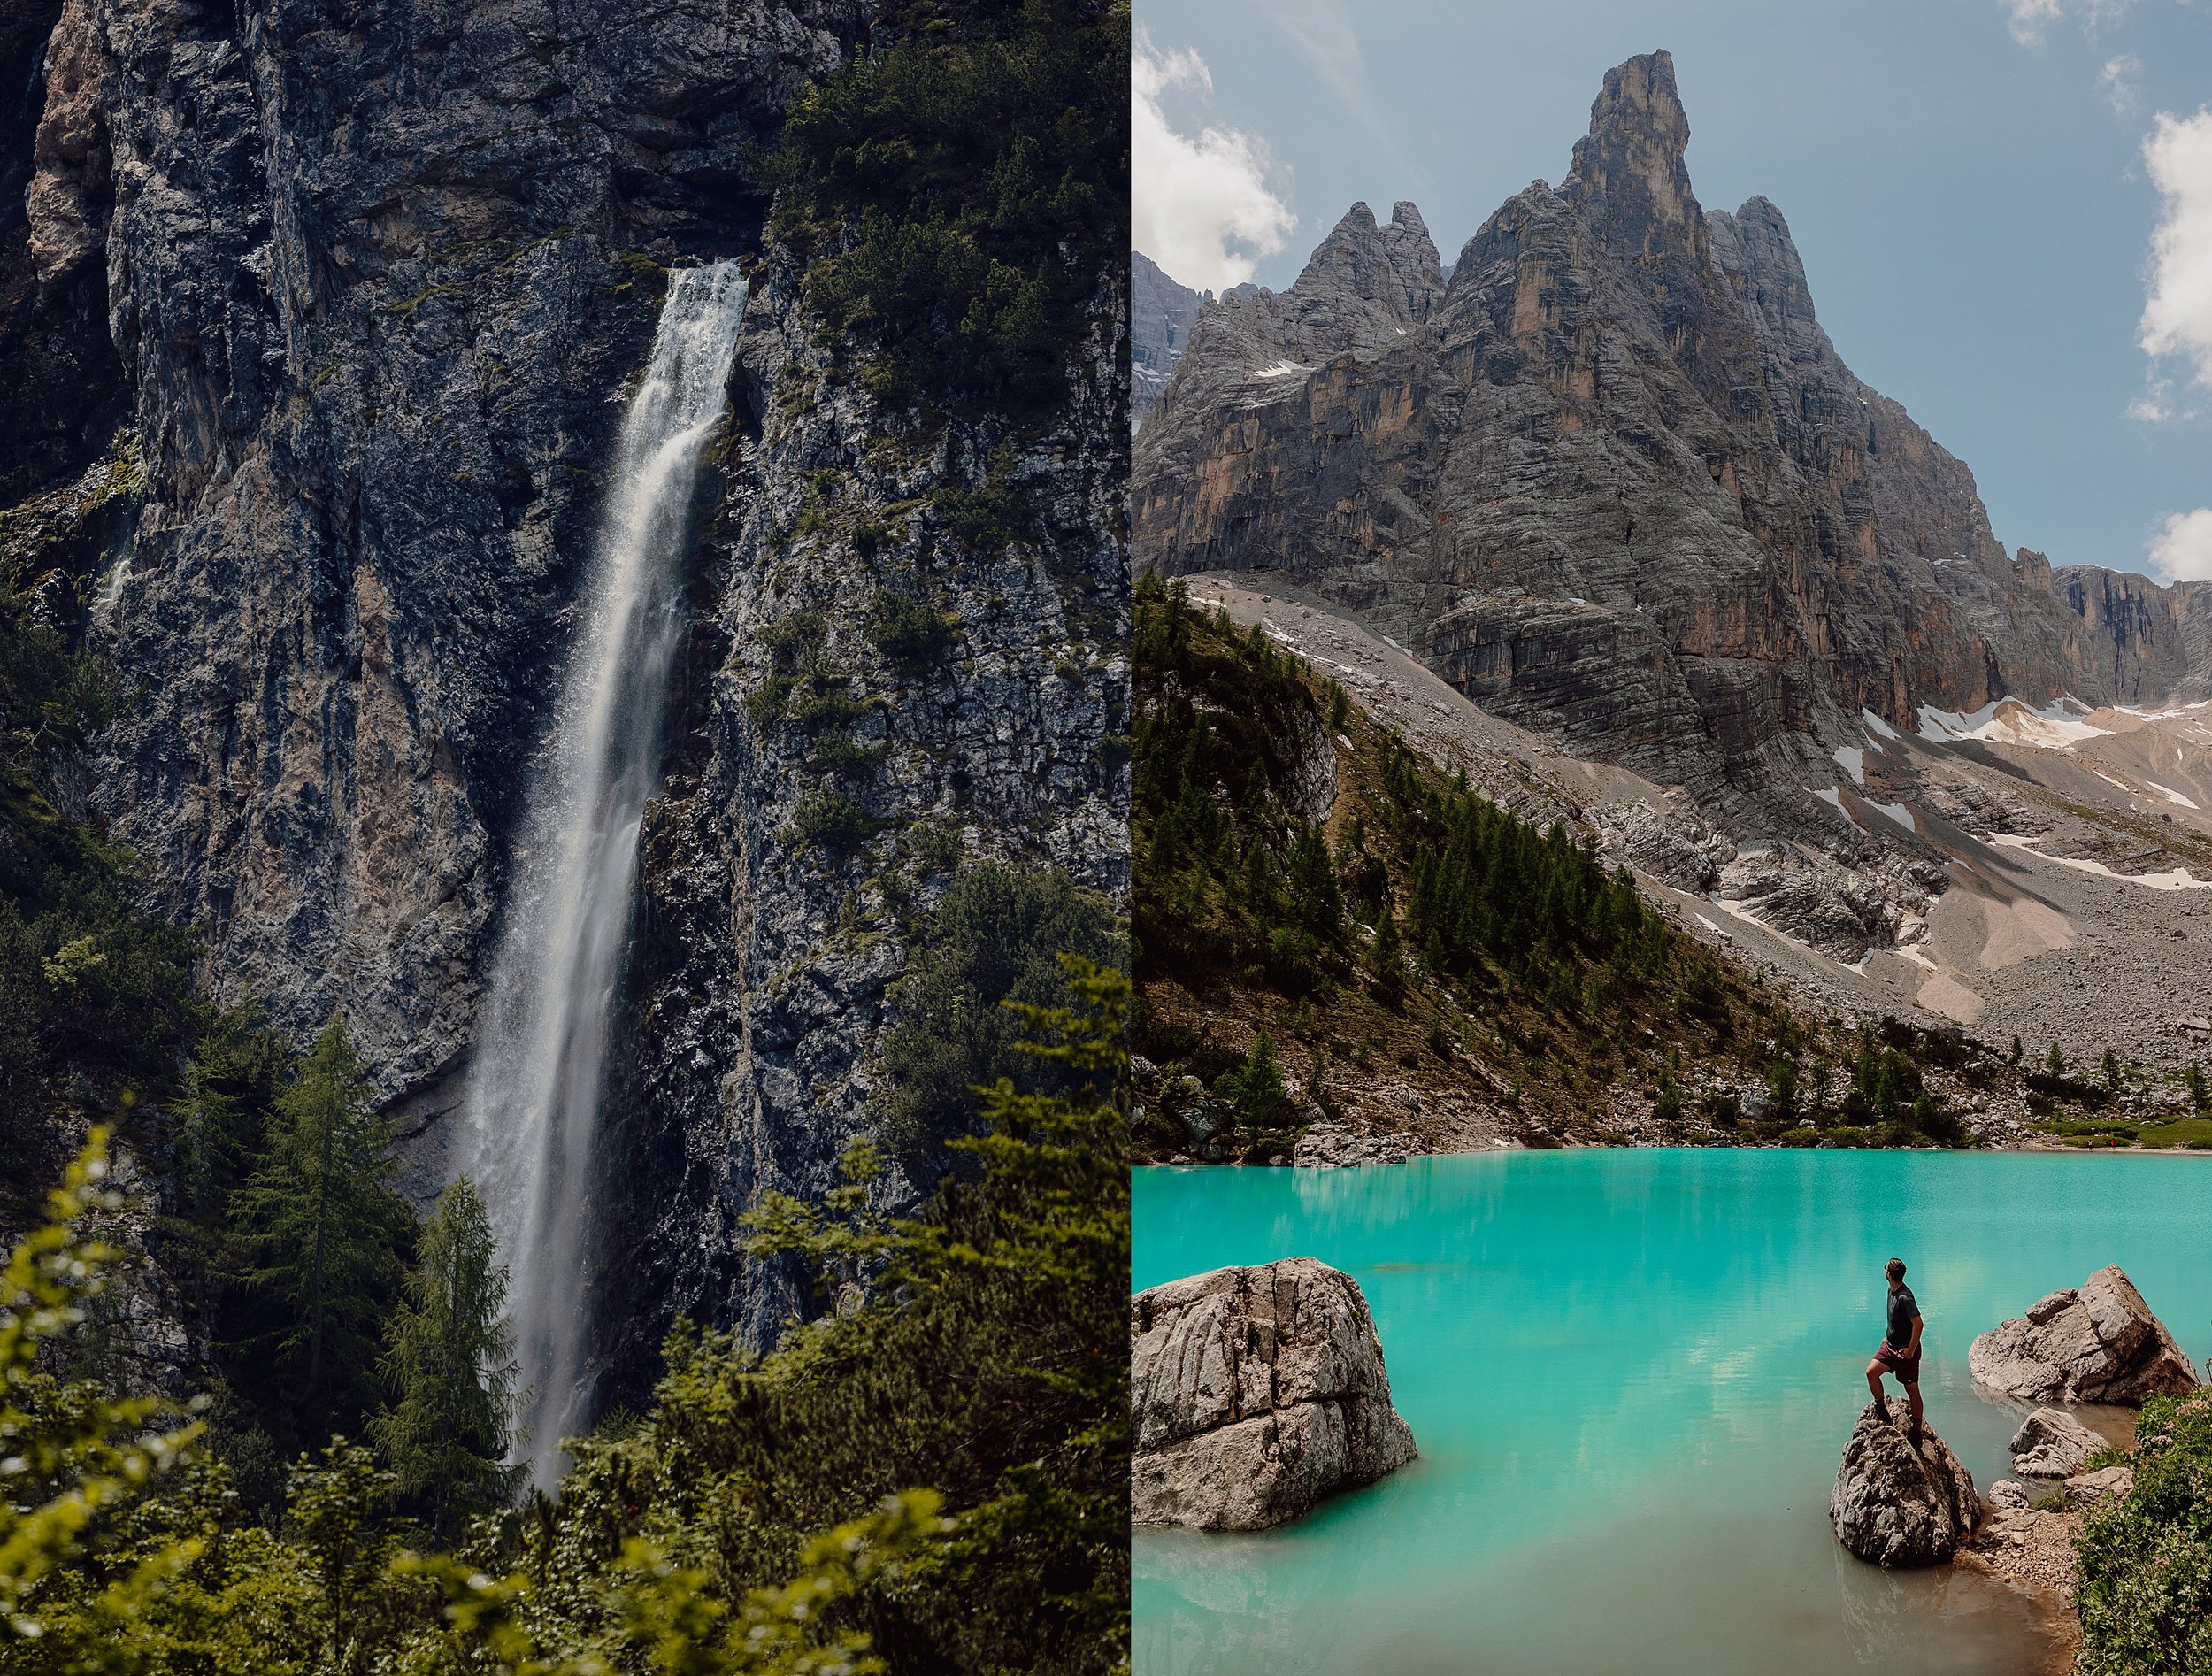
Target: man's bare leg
1874 1384
1912 1401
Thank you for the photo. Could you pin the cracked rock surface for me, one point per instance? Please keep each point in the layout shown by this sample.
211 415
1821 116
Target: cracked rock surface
1255 1393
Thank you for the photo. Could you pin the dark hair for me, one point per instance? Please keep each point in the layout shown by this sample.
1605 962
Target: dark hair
1894 1268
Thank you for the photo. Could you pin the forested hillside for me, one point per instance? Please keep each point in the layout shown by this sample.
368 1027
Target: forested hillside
1319 910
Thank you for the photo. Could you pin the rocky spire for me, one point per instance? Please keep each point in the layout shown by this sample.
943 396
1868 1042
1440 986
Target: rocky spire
1628 177
1412 256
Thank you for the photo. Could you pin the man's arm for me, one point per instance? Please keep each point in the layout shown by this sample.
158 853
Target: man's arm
1914 1349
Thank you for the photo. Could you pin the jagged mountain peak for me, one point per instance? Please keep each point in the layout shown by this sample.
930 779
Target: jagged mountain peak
1628 176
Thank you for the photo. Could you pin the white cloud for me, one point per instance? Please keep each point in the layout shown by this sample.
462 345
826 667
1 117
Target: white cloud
2118 79
2029 19
1199 207
2183 550
2177 309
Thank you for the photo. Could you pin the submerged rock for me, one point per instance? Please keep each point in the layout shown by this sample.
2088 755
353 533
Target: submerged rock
2051 1443
2097 1343
1255 1392
1900 1501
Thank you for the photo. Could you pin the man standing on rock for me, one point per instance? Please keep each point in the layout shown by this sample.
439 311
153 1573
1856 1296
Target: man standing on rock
1900 1351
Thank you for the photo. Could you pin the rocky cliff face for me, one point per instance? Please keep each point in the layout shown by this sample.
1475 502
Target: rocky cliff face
1160 316
1614 481
372 286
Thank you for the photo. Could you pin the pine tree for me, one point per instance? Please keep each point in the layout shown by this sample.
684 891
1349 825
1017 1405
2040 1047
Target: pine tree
2111 1069
2013 1057
2054 1062
2199 1096
323 1230
449 1366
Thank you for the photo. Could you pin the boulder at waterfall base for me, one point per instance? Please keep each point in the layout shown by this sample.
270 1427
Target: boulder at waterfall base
1901 1501
2095 1343
1255 1392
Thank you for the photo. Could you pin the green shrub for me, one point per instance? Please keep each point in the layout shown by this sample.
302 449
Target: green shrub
829 820
995 938
910 634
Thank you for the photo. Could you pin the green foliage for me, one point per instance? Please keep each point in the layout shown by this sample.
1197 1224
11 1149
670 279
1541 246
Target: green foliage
1254 1090
449 1367
986 1360
912 636
1231 879
996 938
121 1553
2054 1062
2200 1095
2111 1068
829 820
2012 1054
94 992
957 190
74 1452
323 1232
2144 1590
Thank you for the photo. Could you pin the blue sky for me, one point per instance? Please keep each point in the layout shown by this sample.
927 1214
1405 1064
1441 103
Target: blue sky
1988 239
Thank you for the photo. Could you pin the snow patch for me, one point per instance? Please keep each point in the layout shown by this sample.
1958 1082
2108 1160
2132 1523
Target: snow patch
1897 813
2179 879
1852 760
1875 723
1282 369
2057 725
2170 793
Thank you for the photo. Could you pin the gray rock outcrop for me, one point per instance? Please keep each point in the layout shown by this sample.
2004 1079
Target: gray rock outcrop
1900 1501
1255 1392
1160 316
2106 1484
2051 1443
2098 1342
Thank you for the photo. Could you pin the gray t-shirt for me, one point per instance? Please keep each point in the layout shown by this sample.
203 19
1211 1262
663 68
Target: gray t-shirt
1902 1313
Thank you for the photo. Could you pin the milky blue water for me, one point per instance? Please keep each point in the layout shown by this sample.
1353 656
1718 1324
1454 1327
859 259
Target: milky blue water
1631 1374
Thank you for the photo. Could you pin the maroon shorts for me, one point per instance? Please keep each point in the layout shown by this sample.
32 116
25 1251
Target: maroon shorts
1907 1368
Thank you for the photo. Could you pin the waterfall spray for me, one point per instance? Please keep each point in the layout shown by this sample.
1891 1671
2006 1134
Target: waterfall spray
534 1090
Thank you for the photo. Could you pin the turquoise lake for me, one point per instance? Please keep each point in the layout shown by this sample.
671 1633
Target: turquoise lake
1631 1374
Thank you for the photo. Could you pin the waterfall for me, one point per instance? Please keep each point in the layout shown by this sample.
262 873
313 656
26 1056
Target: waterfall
535 1090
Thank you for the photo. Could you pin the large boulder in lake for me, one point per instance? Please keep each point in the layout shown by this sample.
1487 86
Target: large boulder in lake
1897 1500
1255 1393
2097 1343
2051 1443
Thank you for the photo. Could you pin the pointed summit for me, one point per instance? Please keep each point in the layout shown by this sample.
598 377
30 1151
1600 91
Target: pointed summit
1394 266
1628 177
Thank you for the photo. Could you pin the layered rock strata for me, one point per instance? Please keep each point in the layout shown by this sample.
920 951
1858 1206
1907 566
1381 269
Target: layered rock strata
1255 1393
1901 1501
2098 1342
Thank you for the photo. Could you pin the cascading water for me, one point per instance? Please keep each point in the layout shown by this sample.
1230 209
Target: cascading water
535 1091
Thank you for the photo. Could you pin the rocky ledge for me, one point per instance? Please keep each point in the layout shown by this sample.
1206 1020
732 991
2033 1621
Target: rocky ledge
1901 1501
2095 1343
1255 1393
2051 1443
